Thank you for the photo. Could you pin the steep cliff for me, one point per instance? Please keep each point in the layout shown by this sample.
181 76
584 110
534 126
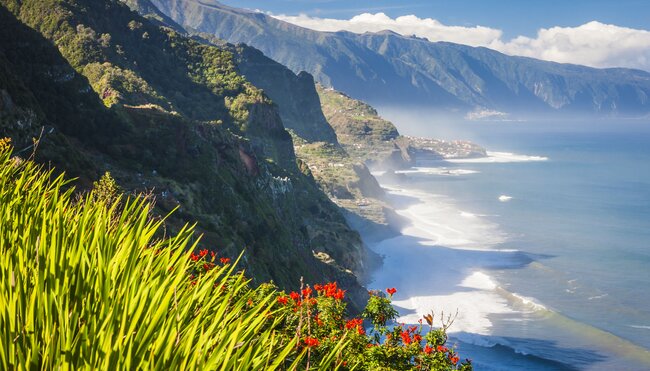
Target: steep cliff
175 117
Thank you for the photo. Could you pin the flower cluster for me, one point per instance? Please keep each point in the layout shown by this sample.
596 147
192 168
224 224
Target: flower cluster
356 323
311 342
316 317
202 262
330 290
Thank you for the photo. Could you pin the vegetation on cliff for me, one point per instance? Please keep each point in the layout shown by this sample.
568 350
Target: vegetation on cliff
362 132
348 183
110 91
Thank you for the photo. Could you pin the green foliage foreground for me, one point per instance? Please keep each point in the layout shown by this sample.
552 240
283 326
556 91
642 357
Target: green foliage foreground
95 283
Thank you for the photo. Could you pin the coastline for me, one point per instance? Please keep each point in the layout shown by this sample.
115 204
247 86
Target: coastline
440 260
411 260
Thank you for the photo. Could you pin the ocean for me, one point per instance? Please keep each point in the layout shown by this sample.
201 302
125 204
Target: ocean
543 248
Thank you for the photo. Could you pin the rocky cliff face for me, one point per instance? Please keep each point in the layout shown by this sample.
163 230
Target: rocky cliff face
387 68
295 95
172 116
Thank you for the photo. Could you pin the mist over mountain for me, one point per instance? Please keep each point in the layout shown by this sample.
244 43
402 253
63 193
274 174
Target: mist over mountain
386 68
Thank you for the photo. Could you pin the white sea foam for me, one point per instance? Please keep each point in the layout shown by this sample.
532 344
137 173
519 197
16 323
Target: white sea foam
437 221
479 280
641 327
499 157
529 303
436 263
467 214
437 171
473 308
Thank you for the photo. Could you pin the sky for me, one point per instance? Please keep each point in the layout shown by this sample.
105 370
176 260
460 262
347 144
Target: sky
597 33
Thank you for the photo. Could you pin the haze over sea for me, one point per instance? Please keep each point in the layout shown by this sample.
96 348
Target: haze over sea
546 244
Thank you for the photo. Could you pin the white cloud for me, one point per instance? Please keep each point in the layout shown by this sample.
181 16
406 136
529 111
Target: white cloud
593 44
405 25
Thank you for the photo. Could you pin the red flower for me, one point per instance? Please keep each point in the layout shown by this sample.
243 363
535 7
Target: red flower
391 291
354 322
340 294
417 338
361 330
282 300
318 287
225 261
330 289
406 338
442 349
212 254
194 257
454 360
306 292
311 342
295 296
207 266
203 252
428 349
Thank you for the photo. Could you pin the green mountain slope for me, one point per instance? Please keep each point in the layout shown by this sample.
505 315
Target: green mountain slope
385 68
172 116
363 133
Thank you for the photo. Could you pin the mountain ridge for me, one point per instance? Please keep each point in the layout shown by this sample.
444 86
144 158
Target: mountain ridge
388 68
